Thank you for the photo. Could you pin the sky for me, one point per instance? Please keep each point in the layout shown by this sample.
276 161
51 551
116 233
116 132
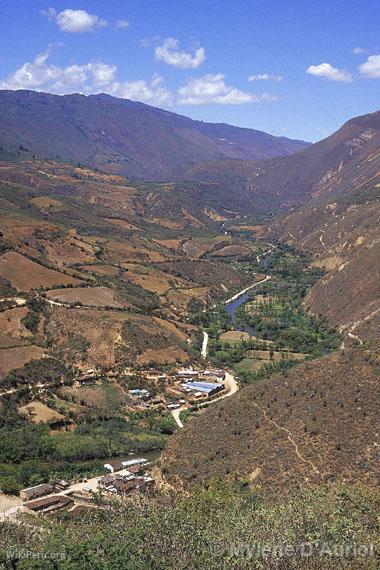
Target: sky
294 68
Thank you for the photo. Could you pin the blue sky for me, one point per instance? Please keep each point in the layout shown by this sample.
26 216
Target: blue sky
297 68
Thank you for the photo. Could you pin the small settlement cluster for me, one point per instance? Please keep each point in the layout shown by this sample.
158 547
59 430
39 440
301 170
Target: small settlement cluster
120 478
184 386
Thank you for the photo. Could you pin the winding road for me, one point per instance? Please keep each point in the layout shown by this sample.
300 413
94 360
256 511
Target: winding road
229 382
229 379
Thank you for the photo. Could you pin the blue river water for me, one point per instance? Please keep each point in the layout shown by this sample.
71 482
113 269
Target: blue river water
231 308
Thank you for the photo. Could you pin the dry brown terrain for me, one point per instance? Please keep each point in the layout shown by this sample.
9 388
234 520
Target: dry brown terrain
25 275
100 328
169 355
11 323
11 358
234 336
317 422
44 202
150 278
100 269
38 412
88 296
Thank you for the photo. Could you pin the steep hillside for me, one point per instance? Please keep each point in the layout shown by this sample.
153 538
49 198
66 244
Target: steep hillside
315 423
340 163
344 236
122 136
103 268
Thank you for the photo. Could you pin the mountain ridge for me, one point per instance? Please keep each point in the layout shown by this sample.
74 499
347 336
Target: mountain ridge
122 136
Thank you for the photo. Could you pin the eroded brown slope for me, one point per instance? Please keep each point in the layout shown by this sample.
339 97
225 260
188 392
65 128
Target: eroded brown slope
340 163
317 422
344 235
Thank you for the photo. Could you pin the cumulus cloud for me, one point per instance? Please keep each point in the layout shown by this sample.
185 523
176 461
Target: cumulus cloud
371 67
211 88
75 21
91 77
327 71
170 53
151 92
265 77
358 50
122 24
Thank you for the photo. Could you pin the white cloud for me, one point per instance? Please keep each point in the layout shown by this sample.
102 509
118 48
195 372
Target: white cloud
212 88
371 67
265 77
122 24
75 21
358 50
151 92
327 71
170 53
91 77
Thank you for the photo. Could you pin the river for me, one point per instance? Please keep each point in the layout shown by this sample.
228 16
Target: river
232 306
231 309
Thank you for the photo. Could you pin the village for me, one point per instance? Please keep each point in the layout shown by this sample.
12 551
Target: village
180 390
119 478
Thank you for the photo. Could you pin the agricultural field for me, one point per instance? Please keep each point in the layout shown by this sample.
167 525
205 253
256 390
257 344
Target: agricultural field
106 397
25 275
102 270
17 357
150 278
88 296
86 336
45 202
234 336
197 247
38 412
11 323
171 355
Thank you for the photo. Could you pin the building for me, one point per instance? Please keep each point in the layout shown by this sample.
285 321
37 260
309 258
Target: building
114 466
50 504
140 393
36 492
61 485
207 388
125 484
187 373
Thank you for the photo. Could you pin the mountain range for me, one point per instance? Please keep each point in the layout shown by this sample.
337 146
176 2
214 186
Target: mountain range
123 137
99 244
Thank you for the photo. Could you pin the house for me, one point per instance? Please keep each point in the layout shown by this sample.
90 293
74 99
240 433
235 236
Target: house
135 469
139 393
174 406
207 388
86 378
50 504
36 492
187 373
114 466
61 485
123 485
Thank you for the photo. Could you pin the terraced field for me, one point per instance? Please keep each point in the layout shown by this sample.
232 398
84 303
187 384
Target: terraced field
26 275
